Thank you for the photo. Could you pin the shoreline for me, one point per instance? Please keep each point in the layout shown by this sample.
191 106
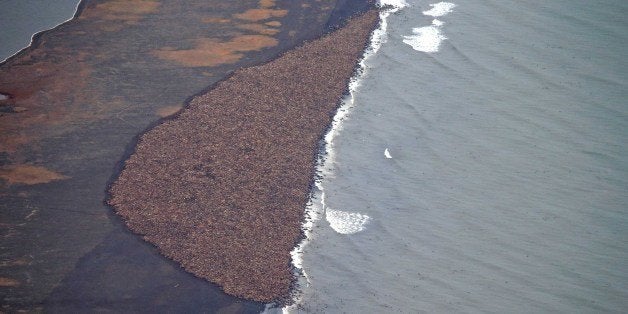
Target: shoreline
316 207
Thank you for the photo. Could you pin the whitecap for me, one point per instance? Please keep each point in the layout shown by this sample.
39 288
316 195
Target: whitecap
346 222
425 39
439 9
428 38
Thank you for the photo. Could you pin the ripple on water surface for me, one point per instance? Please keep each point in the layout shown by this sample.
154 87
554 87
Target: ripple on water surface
506 192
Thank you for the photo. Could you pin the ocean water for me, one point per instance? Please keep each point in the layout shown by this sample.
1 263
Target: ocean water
480 165
20 19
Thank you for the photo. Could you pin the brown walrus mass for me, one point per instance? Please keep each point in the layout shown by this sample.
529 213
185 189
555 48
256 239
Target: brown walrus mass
222 187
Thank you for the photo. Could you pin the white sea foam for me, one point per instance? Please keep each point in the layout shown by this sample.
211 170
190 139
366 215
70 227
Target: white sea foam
316 206
314 211
428 38
439 9
425 39
398 4
346 222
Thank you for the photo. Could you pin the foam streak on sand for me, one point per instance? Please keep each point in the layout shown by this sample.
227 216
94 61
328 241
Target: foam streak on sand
316 206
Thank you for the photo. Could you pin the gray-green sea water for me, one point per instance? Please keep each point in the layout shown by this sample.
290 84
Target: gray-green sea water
482 166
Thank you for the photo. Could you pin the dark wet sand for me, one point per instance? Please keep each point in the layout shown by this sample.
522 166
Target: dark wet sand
222 187
79 97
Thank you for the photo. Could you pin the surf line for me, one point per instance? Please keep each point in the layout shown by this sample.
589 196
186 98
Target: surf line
316 207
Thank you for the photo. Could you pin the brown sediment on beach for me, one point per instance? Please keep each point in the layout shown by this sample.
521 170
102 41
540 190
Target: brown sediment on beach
129 11
222 187
260 14
28 174
168 110
259 28
211 52
8 282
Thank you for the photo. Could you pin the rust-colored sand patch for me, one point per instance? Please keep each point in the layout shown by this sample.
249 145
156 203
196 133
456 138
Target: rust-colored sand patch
255 15
126 10
29 174
16 262
168 111
267 3
211 52
8 282
44 85
259 28
273 23
214 20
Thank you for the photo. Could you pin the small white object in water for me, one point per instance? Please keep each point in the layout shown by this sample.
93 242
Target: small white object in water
346 222
439 9
3 97
387 153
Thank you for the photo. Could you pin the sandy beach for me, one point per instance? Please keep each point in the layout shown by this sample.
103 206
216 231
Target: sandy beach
78 97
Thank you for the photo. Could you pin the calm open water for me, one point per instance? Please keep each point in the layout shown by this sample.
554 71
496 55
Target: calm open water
482 167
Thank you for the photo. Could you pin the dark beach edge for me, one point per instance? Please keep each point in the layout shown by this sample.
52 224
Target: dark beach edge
340 16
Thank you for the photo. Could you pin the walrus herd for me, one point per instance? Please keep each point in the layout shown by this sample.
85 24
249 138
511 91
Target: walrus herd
222 187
